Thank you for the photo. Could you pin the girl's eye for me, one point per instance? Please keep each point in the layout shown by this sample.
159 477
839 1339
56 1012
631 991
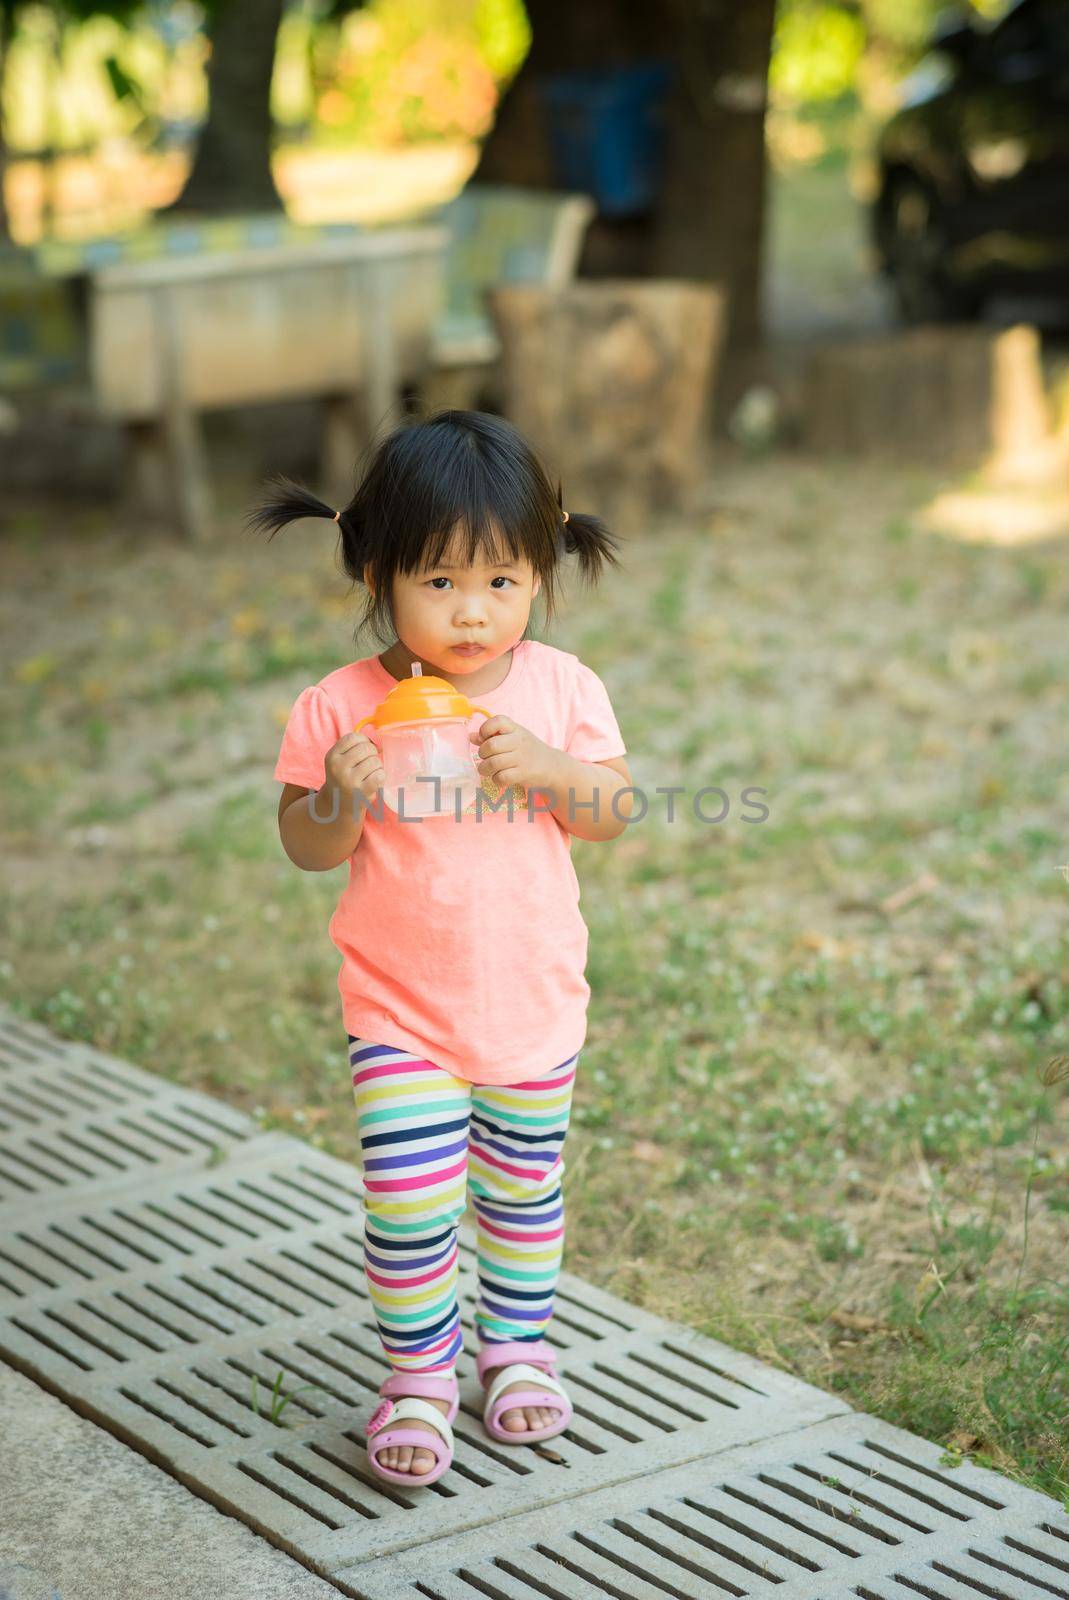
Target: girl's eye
501 577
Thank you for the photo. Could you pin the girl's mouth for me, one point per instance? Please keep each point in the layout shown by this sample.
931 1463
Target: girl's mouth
469 649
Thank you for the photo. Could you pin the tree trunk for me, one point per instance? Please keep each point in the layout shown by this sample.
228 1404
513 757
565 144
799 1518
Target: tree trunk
711 217
568 37
232 167
565 37
708 223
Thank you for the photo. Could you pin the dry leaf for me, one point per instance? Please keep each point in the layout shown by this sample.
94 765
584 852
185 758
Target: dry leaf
827 944
1055 1071
857 1323
928 1280
35 669
910 892
1030 987
248 621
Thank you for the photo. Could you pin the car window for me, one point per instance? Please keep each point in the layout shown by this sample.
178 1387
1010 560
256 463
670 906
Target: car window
1054 22
1030 42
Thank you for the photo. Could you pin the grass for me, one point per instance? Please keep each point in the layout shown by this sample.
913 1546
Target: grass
810 1117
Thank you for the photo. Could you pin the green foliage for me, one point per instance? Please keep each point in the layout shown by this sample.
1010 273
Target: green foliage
279 1402
904 24
819 45
405 70
816 50
503 34
386 73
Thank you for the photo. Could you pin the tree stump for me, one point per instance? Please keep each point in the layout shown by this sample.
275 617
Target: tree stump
944 395
612 381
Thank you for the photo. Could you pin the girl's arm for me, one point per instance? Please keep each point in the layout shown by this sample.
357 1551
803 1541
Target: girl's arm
317 846
321 828
584 792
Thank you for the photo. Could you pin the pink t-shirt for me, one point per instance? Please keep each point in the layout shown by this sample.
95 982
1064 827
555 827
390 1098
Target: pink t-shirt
461 938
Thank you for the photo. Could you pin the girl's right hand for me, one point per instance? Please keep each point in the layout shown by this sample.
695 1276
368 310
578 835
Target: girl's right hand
354 765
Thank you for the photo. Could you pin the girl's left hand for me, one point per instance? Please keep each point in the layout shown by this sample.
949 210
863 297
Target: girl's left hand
509 754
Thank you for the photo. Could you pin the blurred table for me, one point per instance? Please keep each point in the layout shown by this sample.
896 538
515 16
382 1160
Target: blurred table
44 288
179 235
345 315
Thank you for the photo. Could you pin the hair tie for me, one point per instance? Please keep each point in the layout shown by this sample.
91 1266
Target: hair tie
564 516
337 516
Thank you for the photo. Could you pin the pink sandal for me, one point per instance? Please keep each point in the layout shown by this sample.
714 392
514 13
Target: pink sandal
409 1385
531 1359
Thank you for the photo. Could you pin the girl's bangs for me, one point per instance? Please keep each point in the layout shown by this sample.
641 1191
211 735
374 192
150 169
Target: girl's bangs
496 528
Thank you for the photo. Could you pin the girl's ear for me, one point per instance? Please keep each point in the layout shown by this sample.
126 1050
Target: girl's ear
367 578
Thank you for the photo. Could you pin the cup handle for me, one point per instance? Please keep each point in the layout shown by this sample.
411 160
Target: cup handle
371 736
471 748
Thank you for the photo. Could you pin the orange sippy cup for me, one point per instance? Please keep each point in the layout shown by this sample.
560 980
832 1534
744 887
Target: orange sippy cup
423 728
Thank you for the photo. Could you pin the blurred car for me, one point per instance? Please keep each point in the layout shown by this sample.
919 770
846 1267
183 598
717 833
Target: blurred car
973 194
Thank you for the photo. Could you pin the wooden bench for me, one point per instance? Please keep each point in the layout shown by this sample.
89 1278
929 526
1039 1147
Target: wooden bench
346 319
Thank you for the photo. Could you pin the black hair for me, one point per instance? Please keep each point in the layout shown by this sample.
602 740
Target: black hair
454 468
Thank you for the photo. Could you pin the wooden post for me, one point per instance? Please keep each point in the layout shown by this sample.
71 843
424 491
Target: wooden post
185 444
1021 422
344 438
381 375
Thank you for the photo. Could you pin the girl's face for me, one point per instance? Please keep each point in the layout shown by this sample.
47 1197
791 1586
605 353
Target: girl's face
488 604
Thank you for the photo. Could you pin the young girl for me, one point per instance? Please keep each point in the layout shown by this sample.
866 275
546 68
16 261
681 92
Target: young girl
463 947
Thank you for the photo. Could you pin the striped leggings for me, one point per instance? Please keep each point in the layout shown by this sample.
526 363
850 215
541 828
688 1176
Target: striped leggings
425 1137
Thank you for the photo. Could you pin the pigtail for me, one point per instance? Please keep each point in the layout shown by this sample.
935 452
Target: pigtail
284 501
588 538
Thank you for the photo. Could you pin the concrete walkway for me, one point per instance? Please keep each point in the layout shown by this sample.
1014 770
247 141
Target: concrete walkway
162 1262
84 1515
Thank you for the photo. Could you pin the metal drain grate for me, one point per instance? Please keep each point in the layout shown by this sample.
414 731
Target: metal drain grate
153 1299
72 1117
848 1507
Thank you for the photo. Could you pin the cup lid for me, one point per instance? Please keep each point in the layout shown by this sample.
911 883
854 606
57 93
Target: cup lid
420 697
